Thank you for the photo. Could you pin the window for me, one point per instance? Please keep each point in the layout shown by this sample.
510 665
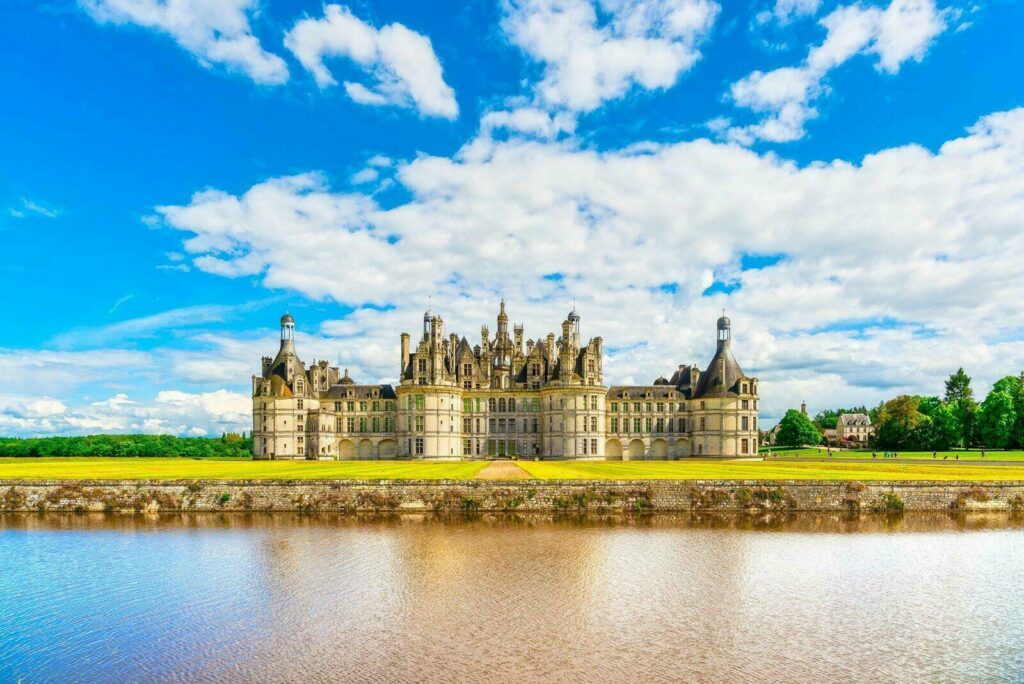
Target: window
703 405
659 425
389 406
593 423
636 425
479 446
376 424
536 404
419 424
467 447
376 406
702 424
298 386
511 405
745 445
615 407
593 447
615 425
647 406
362 406
423 365
755 424
351 424
389 424
636 407
492 425
420 402
492 404
491 448
467 406
337 407
511 424
535 369
745 422
337 424
362 424
647 424
584 447
419 446
298 404
467 369
593 403
743 390
535 426
682 425
351 406
467 424
501 405
745 404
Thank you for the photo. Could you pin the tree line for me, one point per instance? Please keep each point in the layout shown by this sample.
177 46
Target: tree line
229 444
921 423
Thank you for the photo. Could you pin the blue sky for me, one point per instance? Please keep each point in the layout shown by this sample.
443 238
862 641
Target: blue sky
845 178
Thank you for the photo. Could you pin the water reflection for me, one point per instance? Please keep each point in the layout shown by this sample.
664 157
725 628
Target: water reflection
229 597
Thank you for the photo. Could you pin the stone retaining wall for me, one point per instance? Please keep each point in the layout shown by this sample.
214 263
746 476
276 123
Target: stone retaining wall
445 496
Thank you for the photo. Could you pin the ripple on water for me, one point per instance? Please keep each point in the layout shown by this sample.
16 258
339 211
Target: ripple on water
289 598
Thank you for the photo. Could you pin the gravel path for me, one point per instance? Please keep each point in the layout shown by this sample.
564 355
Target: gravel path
502 470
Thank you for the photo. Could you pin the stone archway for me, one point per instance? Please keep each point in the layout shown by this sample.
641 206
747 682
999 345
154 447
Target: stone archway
387 448
613 450
659 449
682 448
346 449
636 449
365 449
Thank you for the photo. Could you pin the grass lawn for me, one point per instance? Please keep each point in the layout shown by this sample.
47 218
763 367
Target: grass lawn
990 455
230 469
765 470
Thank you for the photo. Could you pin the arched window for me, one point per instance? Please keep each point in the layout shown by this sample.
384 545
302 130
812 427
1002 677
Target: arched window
501 404
511 405
492 405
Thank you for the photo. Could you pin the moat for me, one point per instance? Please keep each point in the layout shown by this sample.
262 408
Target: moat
286 597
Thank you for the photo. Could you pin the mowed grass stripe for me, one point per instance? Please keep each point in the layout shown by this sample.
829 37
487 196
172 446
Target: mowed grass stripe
765 470
970 456
192 469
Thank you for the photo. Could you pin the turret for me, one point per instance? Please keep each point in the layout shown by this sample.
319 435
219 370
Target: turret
502 321
405 353
724 332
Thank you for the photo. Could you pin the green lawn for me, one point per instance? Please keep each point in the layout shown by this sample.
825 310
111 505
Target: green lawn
230 469
903 455
765 470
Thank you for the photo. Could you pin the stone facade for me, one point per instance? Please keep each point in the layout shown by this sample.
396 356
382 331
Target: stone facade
505 397
854 427
539 496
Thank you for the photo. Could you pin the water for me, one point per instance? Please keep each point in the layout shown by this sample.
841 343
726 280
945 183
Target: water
282 598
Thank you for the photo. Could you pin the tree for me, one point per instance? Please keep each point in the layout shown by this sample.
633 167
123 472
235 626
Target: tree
897 422
958 387
998 419
796 429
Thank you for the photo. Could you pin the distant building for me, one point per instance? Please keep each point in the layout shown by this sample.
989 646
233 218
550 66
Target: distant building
854 427
504 397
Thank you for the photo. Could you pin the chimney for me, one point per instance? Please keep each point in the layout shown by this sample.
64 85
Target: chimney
405 354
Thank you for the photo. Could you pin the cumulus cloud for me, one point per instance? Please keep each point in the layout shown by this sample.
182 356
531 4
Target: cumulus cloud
402 65
598 51
214 31
888 268
904 30
785 11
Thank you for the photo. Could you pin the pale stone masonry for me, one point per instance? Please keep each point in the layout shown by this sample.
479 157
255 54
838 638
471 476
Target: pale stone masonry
501 398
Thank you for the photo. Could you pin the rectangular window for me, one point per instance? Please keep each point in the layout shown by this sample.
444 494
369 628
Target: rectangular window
535 426
593 447
636 425
423 365
647 406
636 407
593 403
593 423
389 424
615 425
745 445
362 406
745 404
467 424
536 404
337 424
467 406
376 406
661 407
702 424
419 446
511 424
389 406
501 425
745 423
376 424
362 424
615 407
647 424
659 425
584 447
351 424
337 407
512 448
351 405
298 404
420 402
419 424
467 447
491 448
492 425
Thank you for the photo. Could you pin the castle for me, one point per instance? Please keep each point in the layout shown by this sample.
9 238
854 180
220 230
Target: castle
501 398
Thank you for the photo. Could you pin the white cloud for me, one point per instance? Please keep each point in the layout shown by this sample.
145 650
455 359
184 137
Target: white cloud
922 243
28 206
402 64
531 121
214 31
785 11
902 31
598 51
